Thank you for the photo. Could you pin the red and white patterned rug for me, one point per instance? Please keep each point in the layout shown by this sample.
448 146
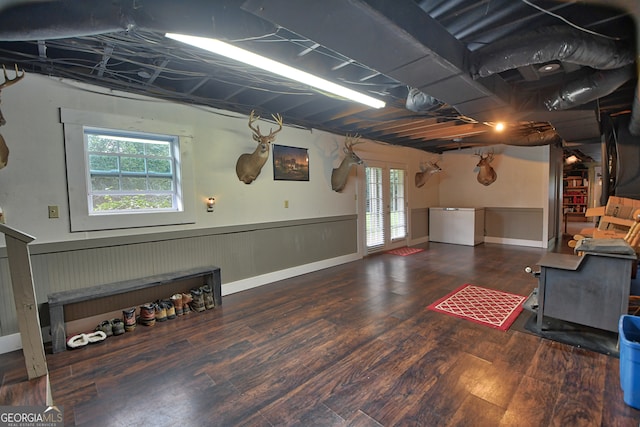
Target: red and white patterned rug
488 307
405 251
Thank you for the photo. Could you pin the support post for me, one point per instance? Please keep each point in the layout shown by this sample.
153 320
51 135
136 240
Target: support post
24 296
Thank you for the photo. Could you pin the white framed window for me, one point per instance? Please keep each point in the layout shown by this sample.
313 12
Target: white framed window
131 171
125 172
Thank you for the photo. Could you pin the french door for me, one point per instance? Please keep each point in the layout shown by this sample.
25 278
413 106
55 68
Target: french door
385 207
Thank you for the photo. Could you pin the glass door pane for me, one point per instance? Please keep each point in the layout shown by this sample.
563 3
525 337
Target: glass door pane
397 211
374 208
385 206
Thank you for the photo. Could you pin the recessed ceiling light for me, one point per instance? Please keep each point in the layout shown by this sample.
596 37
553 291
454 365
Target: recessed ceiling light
547 68
571 159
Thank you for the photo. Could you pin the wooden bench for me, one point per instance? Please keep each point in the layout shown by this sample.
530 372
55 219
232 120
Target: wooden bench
57 300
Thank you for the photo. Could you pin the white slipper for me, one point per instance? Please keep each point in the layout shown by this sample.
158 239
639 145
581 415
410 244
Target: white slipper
77 341
97 336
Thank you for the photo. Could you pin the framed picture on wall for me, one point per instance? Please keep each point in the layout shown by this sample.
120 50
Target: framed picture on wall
290 163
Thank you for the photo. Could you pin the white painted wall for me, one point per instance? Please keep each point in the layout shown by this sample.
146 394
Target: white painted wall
523 175
408 159
35 175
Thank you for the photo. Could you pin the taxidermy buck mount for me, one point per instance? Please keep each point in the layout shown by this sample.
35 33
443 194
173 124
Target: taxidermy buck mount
486 174
340 174
4 150
426 170
249 165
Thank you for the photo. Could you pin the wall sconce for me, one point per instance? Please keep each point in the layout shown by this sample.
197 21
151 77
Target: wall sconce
211 201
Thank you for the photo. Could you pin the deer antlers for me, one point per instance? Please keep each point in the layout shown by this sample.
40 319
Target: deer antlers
257 135
4 150
7 81
488 155
350 141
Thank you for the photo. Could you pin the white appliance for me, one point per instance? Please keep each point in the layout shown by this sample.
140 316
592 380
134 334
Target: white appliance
461 226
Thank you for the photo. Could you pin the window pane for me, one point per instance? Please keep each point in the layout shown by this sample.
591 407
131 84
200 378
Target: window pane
137 202
103 163
158 149
160 184
132 164
130 147
159 166
131 171
104 183
134 183
102 144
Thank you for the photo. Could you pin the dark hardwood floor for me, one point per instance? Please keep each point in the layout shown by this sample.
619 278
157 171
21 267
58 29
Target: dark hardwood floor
349 345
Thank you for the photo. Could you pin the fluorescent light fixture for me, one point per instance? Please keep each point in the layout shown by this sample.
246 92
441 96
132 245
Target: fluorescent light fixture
233 52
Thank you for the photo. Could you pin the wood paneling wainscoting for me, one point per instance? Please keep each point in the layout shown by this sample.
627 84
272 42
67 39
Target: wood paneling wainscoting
515 226
242 252
348 345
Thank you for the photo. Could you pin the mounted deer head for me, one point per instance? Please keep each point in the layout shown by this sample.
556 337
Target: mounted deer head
340 174
4 150
486 174
426 170
249 165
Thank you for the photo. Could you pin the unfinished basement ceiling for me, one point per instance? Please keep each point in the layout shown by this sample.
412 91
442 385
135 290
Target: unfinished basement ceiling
448 70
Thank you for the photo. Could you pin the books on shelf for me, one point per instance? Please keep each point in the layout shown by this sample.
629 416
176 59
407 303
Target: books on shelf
577 181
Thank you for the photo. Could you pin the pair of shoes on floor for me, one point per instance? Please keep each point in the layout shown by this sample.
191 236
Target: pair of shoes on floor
202 298
187 299
81 340
129 319
207 292
111 327
165 310
197 303
147 315
178 304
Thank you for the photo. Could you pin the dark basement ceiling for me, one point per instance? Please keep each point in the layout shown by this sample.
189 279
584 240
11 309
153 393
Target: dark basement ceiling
462 64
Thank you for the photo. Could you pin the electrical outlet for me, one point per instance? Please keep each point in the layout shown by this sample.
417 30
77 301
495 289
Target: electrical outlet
286 203
53 212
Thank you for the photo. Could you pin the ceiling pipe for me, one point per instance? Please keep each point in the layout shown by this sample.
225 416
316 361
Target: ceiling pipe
546 137
589 88
420 102
633 8
556 43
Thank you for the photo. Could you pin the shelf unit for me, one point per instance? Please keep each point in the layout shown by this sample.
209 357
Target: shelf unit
575 199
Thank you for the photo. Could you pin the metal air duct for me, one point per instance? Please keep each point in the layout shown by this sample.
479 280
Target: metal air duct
420 102
536 139
548 44
589 88
633 8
